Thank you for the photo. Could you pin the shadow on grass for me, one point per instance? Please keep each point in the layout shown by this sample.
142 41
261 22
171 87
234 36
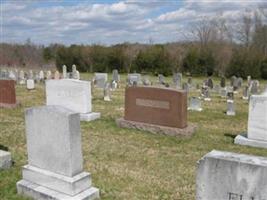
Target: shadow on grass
230 135
4 148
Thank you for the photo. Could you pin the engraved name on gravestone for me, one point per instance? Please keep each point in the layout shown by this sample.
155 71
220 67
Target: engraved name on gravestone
55 161
72 94
166 107
231 176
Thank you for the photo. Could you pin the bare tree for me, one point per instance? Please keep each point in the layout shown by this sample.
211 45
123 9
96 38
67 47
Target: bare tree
244 31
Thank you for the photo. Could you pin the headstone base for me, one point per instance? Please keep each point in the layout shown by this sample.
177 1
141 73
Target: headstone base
38 192
230 113
5 160
243 140
107 99
89 116
64 184
195 109
186 132
6 105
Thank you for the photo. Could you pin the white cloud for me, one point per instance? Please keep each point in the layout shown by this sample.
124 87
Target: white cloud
130 20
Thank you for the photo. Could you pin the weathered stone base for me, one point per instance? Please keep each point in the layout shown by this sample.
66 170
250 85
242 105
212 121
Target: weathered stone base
6 105
243 140
89 116
207 99
38 192
186 132
107 99
230 113
64 184
5 160
245 98
195 109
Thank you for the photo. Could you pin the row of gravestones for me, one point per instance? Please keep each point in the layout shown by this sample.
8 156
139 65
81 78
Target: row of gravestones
21 76
56 172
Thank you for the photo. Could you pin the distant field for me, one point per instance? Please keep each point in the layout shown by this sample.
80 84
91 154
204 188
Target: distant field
130 164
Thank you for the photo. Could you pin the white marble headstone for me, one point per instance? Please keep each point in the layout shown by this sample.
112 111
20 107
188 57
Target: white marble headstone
101 79
64 71
30 84
55 161
257 121
231 176
72 94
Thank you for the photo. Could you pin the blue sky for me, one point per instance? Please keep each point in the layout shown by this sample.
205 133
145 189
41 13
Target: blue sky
110 22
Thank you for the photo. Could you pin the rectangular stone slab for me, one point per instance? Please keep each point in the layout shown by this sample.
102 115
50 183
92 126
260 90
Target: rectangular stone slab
159 106
231 176
257 122
5 160
38 192
67 185
7 92
54 139
69 93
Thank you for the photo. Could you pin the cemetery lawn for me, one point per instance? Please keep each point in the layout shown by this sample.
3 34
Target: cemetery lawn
126 163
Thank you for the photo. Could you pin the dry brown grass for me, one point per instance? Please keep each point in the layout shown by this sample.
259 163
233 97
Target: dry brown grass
126 163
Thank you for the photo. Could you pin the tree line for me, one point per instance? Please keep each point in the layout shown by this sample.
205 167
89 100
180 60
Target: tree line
211 47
